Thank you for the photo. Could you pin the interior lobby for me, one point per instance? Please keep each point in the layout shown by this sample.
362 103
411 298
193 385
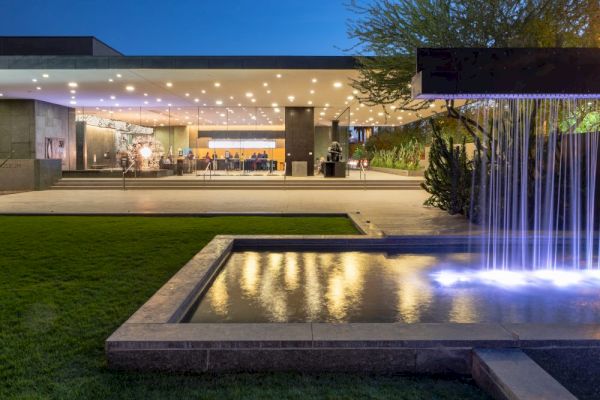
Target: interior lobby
92 110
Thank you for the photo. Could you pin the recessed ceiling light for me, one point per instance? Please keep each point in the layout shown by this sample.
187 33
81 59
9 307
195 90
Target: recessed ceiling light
110 79
146 102
309 103
291 98
169 84
38 88
326 104
337 85
34 80
268 92
72 84
350 98
274 104
119 75
399 118
45 76
432 105
101 99
278 75
187 95
265 84
112 97
1 94
72 102
277 110
219 102
203 91
159 100
217 84
169 104
314 80
322 113
312 91
129 88
73 91
196 100
249 94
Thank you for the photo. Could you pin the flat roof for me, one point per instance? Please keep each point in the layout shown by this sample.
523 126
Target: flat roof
170 87
177 62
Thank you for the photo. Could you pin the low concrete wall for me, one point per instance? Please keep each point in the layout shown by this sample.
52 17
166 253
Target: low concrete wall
394 171
28 174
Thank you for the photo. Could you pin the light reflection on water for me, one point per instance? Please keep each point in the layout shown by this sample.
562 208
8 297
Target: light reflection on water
379 287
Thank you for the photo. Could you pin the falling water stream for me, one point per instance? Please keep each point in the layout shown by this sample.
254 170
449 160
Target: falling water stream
535 184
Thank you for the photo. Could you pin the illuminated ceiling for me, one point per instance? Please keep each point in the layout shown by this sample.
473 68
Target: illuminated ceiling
216 97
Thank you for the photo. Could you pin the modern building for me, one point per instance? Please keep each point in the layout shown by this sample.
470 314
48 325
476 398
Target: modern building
76 104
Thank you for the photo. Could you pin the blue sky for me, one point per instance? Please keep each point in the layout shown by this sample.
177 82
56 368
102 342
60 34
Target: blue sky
189 27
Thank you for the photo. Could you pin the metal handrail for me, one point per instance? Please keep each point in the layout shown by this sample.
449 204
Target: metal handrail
126 171
9 158
209 169
363 173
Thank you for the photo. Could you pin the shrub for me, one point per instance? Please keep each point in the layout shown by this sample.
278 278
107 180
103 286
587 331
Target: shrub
404 156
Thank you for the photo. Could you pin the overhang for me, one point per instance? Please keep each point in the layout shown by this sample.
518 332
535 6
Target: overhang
463 73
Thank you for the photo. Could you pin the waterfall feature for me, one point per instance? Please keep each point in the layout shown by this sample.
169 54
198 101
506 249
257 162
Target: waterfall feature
535 185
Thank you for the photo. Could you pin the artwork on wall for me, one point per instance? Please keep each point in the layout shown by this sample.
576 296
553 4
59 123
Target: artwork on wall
55 148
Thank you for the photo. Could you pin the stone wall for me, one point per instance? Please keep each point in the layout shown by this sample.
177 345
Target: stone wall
29 174
55 122
28 129
17 129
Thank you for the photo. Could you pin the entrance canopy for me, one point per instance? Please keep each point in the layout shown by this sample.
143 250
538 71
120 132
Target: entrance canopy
93 77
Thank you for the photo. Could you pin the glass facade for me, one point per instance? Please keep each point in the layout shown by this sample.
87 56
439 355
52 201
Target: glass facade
229 139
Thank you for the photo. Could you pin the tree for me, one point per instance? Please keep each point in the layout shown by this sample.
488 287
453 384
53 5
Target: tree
448 176
390 31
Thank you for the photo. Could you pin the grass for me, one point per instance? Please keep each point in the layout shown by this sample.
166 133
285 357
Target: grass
66 283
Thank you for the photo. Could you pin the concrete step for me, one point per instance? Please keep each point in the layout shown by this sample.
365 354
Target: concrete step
158 184
509 374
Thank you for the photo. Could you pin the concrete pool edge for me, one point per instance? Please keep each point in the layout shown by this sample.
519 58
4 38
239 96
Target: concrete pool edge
153 339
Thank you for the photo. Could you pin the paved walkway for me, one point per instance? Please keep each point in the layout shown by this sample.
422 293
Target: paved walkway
393 211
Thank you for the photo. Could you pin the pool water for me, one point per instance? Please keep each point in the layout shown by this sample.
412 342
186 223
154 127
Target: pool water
382 287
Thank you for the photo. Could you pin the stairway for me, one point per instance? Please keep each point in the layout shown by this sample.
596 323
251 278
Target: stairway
237 184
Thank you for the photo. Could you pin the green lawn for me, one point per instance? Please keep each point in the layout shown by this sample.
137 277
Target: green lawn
66 283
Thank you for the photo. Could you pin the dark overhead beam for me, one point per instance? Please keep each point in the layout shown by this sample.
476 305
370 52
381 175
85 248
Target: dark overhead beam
464 73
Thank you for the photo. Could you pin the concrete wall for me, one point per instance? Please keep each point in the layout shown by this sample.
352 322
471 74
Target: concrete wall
25 127
99 141
58 122
17 129
29 174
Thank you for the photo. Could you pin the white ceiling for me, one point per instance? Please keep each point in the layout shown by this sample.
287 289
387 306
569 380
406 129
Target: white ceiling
204 97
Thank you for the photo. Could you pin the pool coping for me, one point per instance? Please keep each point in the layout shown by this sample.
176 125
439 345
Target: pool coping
154 339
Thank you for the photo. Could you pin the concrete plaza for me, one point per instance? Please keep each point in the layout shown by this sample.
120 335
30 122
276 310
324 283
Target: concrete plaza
396 212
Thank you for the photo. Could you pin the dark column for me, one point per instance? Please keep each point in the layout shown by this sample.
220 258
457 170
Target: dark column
335 130
80 146
299 137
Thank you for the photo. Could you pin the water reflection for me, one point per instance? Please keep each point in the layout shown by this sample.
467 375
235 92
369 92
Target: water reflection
377 287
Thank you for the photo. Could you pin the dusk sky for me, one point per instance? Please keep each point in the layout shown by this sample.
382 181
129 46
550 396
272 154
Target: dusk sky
188 27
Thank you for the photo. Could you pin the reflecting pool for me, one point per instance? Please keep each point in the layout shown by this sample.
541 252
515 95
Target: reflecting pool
383 287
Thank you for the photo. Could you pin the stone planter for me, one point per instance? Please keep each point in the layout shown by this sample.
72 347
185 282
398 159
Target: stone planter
402 172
